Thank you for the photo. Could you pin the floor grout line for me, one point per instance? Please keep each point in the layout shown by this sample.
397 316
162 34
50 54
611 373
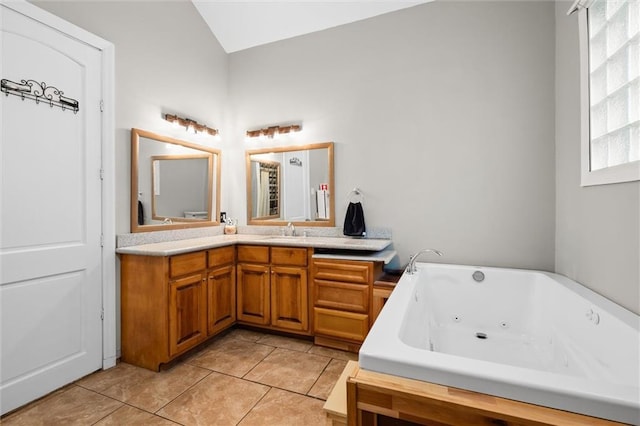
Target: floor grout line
139 379
254 405
188 388
318 378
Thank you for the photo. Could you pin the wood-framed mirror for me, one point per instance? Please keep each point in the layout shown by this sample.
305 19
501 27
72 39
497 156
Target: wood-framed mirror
175 184
291 184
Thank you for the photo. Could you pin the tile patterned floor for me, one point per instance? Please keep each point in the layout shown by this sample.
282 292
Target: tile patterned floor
242 378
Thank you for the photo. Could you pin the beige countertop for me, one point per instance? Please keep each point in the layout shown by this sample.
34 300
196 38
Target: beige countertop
170 248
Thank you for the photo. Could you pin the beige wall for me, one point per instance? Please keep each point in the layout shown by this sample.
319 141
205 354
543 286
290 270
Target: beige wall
457 120
597 227
443 114
167 61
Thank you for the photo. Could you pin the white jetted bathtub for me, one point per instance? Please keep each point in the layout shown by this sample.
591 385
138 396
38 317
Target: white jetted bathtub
530 336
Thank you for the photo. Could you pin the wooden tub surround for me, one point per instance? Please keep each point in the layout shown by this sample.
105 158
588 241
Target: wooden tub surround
382 399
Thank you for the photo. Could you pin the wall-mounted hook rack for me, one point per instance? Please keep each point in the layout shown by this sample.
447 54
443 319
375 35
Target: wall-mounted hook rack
31 89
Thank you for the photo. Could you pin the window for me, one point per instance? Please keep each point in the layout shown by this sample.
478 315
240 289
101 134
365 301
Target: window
610 88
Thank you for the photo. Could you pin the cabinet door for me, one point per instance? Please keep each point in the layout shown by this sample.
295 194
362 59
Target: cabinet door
289 303
187 313
253 293
221 298
380 297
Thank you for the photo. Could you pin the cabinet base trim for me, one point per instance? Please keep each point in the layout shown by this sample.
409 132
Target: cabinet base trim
336 344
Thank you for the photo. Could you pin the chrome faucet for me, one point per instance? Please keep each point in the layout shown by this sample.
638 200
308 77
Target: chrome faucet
411 268
167 221
292 227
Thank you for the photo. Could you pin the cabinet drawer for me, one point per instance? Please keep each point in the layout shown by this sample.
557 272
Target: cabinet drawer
182 264
289 256
343 270
344 296
221 256
345 325
253 254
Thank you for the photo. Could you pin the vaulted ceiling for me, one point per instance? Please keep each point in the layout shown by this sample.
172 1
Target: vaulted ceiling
243 24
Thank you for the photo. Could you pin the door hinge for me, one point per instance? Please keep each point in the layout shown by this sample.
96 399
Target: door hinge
102 314
101 174
101 240
101 105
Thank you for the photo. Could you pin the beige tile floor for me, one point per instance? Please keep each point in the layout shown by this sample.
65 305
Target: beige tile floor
242 378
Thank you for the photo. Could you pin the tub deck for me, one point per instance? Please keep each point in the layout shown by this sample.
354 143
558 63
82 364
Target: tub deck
371 395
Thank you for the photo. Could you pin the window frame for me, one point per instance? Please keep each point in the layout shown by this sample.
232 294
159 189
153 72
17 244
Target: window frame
627 172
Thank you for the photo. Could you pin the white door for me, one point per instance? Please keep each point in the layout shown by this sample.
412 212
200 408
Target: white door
50 214
295 186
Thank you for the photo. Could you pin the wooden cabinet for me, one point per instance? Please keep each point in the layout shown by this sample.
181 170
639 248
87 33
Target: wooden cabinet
342 299
171 304
221 289
187 301
341 324
253 294
289 298
183 264
272 287
187 313
382 289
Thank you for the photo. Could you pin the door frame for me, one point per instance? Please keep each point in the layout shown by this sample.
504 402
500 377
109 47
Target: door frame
107 51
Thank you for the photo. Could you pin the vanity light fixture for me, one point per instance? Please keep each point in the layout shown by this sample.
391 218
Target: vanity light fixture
273 131
190 125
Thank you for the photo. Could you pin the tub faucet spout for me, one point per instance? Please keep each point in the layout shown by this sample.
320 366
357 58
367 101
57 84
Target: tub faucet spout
411 268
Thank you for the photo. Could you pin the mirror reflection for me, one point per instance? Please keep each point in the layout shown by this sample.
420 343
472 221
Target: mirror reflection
265 184
174 183
170 175
290 184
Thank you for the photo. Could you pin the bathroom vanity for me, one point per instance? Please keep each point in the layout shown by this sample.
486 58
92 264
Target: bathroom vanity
272 287
343 290
177 294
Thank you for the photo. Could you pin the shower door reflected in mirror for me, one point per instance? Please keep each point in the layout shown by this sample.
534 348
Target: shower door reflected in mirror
265 181
174 183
